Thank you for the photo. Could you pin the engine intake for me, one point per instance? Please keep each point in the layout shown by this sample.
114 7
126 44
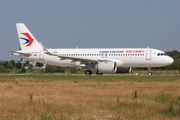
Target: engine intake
106 67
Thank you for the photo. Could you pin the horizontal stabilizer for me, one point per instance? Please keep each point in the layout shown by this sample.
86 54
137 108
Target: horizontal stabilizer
20 52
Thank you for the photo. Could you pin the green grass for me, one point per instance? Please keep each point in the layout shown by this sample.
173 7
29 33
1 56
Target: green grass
109 78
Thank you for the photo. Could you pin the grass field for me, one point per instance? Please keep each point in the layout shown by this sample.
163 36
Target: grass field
79 97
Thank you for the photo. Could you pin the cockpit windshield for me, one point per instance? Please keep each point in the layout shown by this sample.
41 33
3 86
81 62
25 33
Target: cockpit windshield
161 54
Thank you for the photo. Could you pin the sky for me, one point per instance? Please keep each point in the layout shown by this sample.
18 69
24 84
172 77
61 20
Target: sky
92 24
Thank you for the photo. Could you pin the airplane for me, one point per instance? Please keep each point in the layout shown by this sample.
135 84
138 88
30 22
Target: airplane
104 60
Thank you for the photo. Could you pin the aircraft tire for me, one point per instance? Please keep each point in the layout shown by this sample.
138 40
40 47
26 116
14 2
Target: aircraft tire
97 73
150 73
88 72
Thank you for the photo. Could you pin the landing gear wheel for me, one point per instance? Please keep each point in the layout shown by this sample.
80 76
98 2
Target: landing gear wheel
88 72
97 73
150 73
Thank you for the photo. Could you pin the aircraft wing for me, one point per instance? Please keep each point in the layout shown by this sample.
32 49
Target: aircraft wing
86 61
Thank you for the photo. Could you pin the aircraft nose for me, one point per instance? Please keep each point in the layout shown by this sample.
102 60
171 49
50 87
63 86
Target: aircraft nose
170 60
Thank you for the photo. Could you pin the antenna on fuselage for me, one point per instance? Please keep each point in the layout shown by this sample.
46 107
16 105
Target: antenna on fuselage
76 47
148 47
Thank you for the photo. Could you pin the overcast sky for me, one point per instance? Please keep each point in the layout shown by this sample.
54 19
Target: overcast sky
92 24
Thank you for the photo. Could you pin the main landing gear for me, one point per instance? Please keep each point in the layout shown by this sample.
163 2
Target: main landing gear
88 72
97 73
149 73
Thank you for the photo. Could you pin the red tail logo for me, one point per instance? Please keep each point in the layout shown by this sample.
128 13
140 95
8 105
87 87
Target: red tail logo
29 41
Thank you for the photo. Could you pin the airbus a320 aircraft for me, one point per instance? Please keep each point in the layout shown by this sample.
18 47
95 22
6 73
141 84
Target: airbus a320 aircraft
104 60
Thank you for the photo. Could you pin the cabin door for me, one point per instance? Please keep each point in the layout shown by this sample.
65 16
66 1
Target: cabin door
148 54
41 55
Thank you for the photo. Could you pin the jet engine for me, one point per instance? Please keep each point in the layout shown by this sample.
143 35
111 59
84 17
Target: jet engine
106 67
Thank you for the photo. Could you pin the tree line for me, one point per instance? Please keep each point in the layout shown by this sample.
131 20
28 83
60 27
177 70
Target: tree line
19 65
4 67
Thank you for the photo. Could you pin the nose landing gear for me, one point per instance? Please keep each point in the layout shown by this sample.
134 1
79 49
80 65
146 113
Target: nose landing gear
149 73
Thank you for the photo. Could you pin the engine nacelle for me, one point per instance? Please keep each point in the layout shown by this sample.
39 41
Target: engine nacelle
123 70
106 67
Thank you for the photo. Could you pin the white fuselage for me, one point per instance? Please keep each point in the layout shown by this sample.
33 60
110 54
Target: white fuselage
126 57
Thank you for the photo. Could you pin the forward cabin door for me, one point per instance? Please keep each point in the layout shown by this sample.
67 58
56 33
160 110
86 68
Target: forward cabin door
41 55
148 54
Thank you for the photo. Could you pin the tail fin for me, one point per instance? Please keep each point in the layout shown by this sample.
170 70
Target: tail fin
26 39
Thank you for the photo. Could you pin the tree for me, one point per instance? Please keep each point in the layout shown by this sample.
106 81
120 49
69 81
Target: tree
2 69
10 66
40 65
26 63
18 65
30 66
13 63
23 70
61 69
73 70
53 69
5 64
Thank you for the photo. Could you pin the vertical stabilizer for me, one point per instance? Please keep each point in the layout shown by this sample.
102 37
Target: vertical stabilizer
27 41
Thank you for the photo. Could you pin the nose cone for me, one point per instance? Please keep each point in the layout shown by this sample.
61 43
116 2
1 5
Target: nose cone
170 60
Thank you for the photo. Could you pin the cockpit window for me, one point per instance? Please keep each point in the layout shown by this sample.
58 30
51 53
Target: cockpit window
161 54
